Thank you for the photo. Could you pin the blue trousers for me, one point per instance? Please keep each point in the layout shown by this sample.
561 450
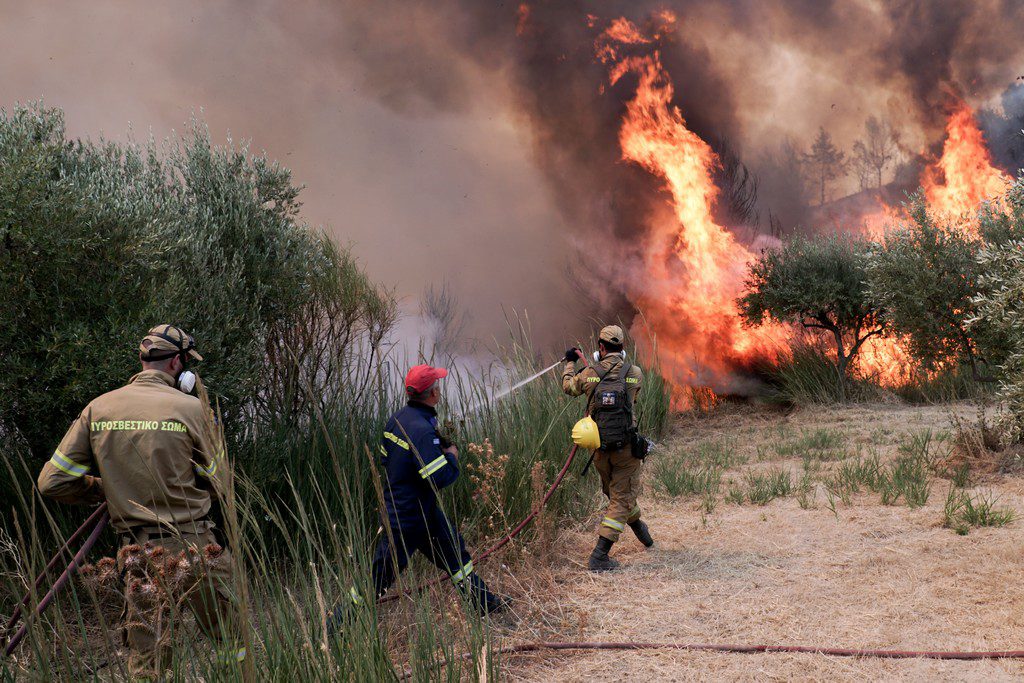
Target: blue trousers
440 542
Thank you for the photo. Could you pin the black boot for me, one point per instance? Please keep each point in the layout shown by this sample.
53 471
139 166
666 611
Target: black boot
599 560
643 534
492 603
483 599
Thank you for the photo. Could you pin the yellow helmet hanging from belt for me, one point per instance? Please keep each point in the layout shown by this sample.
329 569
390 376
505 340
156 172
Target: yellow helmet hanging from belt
585 434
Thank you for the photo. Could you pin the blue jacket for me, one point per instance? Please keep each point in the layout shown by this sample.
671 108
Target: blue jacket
415 467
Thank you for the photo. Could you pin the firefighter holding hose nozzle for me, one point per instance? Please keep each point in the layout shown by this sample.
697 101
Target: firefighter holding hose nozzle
611 386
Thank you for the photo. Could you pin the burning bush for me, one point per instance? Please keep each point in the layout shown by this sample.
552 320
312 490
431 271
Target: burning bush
820 284
925 275
1000 303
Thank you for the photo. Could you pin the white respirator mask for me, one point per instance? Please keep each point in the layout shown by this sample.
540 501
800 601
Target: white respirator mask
597 356
187 381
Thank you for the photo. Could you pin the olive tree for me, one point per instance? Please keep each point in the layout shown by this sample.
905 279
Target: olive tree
99 241
927 275
998 306
820 284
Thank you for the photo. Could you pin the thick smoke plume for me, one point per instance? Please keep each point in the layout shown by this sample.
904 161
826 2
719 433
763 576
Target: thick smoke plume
750 75
477 142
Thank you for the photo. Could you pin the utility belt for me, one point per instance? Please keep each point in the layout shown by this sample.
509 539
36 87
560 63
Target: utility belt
144 533
639 446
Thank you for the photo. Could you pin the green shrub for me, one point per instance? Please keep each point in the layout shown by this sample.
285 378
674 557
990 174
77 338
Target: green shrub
100 241
999 303
925 276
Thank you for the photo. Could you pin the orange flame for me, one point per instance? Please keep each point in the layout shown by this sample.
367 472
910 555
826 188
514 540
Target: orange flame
886 361
964 176
522 18
694 268
956 184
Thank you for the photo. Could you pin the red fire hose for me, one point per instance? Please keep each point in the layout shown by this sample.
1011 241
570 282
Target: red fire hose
53 563
99 518
749 649
766 649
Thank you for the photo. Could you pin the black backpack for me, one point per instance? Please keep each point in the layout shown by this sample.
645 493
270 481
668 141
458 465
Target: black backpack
612 410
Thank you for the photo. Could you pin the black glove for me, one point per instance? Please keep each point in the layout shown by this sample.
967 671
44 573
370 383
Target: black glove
573 355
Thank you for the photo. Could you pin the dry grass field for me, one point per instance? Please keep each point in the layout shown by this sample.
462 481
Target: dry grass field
822 565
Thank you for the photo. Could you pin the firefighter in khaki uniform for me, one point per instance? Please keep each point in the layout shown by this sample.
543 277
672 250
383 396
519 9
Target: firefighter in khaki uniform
619 470
148 450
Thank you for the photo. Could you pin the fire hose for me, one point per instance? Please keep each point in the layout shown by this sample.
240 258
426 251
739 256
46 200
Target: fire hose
98 522
543 645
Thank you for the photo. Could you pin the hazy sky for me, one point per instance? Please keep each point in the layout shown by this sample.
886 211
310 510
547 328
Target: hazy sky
423 195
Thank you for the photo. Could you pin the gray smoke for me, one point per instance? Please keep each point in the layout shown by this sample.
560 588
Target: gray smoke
472 142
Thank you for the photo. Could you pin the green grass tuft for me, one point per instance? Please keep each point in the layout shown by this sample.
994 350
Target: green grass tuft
818 444
674 478
962 511
764 487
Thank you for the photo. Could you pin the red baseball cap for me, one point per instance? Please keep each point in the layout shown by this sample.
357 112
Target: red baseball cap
422 377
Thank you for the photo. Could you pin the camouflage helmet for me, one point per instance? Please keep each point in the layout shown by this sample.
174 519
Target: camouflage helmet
166 341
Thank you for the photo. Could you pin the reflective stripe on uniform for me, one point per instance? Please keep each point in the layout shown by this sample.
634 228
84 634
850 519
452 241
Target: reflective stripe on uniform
357 599
635 511
612 524
383 451
398 442
230 655
60 461
433 466
208 472
460 576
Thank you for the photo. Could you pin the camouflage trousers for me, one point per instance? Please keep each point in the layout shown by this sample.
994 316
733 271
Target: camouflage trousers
620 481
164 574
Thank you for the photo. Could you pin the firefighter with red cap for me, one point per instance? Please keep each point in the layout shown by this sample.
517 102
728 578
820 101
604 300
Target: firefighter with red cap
417 462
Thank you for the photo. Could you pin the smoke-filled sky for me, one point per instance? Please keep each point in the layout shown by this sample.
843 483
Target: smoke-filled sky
471 141
423 194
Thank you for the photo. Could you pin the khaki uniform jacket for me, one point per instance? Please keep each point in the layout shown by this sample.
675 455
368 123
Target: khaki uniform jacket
147 449
584 382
